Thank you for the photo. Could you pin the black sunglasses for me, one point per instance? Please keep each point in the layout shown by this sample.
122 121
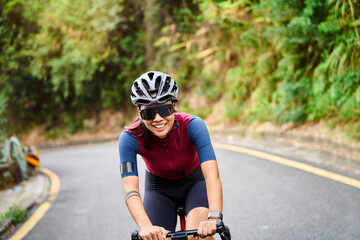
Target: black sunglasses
164 111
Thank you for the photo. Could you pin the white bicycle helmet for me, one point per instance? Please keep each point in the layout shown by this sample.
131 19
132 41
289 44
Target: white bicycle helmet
153 82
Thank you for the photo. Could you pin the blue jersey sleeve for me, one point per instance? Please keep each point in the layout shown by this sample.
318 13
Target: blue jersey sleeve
199 136
128 148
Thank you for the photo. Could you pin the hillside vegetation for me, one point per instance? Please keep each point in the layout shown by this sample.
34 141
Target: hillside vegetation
281 61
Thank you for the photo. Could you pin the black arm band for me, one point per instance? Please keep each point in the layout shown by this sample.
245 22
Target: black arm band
127 167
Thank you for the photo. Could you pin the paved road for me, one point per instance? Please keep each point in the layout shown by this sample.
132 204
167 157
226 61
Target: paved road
262 200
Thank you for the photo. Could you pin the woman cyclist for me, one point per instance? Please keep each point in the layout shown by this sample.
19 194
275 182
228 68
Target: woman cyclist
181 167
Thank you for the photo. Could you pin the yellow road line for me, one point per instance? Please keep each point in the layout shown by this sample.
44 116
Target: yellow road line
290 163
42 209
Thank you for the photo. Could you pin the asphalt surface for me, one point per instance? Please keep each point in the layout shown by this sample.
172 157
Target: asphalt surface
262 200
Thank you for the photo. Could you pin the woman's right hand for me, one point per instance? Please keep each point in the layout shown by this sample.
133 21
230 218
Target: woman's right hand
153 233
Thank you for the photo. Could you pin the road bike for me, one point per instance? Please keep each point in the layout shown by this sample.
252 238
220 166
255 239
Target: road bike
183 234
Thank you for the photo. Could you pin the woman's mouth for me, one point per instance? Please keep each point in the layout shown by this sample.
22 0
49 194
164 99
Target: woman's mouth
159 126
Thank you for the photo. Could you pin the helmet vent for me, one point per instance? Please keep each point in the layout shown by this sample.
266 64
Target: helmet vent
165 89
158 79
153 94
164 98
151 75
140 93
157 83
145 84
143 102
168 80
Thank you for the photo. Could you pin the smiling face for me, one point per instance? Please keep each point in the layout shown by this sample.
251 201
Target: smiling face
159 126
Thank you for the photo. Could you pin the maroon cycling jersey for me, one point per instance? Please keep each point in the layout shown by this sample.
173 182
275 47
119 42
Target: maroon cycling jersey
173 157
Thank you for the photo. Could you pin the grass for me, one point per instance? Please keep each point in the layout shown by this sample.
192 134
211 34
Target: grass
15 214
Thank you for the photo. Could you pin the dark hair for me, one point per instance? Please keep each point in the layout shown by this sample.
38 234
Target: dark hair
144 132
147 135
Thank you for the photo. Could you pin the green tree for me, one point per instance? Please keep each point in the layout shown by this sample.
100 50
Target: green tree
64 60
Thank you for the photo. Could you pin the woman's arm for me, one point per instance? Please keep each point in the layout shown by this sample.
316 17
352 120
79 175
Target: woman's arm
214 192
199 136
128 148
134 202
137 210
213 185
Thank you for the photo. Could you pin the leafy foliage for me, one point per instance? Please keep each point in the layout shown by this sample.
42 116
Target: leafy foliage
277 60
7 180
269 60
62 61
15 214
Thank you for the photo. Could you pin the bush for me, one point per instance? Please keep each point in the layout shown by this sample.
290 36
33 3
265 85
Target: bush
15 214
6 180
278 60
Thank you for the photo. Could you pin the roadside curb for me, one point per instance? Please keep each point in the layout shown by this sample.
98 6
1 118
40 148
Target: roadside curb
26 194
31 193
4 226
77 143
48 194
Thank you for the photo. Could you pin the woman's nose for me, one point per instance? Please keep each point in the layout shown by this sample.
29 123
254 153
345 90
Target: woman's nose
157 117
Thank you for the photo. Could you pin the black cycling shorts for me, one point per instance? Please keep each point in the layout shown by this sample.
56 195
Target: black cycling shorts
163 196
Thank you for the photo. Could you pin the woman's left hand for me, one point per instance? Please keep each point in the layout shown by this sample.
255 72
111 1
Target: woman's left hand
207 228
